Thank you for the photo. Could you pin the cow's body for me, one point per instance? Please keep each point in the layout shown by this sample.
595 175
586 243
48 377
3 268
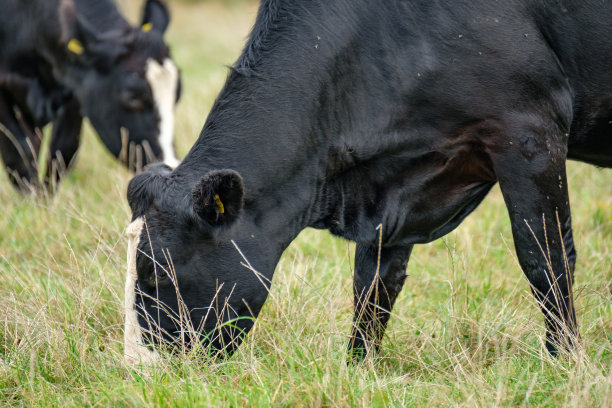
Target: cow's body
386 122
61 60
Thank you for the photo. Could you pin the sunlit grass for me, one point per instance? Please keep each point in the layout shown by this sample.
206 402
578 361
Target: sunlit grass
465 330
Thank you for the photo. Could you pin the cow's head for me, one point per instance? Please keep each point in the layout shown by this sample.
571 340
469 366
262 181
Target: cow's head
190 253
126 83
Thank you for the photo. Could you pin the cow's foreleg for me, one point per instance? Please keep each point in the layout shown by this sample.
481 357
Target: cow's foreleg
531 173
379 277
19 146
65 141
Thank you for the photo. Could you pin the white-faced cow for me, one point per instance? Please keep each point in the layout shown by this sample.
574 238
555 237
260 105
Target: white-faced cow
377 120
61 60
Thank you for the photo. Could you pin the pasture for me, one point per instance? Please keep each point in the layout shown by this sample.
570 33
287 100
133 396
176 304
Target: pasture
465 330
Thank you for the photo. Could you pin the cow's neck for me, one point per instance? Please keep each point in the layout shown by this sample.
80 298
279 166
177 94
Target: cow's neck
282 122
267 142
101 14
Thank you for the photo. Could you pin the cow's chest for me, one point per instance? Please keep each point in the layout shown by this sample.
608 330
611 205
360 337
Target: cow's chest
412 198
591 140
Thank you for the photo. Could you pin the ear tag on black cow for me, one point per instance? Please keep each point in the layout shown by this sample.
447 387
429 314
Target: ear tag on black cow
146 27
220 206
75 46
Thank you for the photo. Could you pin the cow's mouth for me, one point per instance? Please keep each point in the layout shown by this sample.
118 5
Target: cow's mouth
217 341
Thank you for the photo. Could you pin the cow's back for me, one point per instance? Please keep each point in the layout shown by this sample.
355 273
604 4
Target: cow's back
479 59
26 27
33 27
580 33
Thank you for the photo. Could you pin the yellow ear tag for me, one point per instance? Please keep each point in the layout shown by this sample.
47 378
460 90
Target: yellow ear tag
146 27
221 208
75 46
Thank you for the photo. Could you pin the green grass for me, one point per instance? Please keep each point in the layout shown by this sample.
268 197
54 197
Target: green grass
465 330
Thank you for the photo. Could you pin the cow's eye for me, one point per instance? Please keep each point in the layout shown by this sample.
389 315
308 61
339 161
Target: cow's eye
151 273
159 275
133 103
135 100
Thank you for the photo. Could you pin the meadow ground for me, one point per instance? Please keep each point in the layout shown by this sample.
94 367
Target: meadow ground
465 330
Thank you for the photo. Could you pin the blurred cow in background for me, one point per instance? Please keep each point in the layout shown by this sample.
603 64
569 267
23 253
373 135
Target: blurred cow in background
61 60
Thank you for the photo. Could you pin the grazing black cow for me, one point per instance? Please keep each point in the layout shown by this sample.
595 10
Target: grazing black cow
387 123
61 60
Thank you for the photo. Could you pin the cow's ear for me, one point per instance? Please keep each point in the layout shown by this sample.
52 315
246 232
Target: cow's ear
76 32
145 186
155 16
218 197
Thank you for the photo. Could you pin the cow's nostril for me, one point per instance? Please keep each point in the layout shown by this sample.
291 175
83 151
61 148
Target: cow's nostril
161 274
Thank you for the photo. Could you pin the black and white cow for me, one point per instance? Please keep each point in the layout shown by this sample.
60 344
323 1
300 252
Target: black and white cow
377 120
61 60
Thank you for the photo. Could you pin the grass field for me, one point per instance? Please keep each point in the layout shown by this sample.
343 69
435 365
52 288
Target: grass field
465 331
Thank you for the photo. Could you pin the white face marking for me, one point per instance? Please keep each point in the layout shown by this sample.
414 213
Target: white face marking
163 80
133 348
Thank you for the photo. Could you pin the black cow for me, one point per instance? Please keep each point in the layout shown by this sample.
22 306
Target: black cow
387 123
61 60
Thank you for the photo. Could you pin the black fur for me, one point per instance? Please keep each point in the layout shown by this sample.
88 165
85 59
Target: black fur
146 184
45 82
387 122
